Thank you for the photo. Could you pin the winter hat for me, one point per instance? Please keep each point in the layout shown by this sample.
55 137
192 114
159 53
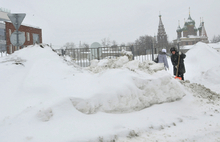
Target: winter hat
172 49
164 50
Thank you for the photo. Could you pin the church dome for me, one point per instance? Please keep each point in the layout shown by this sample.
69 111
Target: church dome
190 21
184 27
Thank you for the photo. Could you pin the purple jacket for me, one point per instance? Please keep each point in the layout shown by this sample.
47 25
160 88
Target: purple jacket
162 58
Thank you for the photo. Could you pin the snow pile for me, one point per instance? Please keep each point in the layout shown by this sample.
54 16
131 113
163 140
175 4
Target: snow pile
202 92
45 97
30 75
130 92
203 66
128 54
128 86
118 85
123 62
31 53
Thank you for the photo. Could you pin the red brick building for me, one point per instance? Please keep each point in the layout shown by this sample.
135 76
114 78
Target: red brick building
32 35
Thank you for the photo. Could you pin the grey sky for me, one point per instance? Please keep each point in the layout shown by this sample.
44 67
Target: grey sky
121 20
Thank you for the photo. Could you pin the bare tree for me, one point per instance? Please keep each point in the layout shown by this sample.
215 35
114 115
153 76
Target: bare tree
130 43
86 46
122 44
215 39
106 42
69 45
114 43
142 44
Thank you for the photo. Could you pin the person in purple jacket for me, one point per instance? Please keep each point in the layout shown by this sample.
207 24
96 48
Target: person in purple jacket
162 58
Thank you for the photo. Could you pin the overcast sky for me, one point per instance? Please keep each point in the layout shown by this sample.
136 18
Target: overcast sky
124 21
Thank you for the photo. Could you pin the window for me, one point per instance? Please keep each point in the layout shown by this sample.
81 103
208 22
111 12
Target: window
9 32
2 34
10 49
36 38
28 36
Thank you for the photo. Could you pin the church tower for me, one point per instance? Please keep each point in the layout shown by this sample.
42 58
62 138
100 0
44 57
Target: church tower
187 35
202 31
161 35
179 31
200 28
203 34
189 27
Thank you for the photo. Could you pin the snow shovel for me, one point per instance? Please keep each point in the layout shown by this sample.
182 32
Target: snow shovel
180 78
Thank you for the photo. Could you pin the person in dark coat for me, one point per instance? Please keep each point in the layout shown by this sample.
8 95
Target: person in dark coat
174 59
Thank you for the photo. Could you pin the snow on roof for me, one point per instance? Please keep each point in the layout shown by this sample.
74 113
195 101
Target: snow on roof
193 36
27 25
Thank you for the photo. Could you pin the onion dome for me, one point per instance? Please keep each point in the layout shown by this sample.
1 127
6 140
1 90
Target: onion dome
185 26
190 21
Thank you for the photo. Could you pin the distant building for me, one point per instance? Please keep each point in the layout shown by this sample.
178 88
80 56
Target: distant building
32 34
161 35
188 34
3 17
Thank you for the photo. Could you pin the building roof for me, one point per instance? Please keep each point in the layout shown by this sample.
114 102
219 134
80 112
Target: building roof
4 16
27 25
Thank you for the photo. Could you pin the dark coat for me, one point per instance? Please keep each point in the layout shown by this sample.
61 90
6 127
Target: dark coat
174 60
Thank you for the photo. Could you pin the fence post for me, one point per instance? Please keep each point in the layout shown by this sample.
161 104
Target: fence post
98 53
152 47
62 52
132 50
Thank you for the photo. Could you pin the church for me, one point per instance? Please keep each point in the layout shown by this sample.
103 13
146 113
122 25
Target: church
162 41
187 35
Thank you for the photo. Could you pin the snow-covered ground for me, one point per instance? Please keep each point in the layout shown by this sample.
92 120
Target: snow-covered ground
47 98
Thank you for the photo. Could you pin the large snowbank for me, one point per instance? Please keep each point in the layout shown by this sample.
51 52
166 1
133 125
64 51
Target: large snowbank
47 98
126 86
202 66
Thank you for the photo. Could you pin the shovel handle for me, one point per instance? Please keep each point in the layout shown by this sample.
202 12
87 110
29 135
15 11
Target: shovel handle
178 65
